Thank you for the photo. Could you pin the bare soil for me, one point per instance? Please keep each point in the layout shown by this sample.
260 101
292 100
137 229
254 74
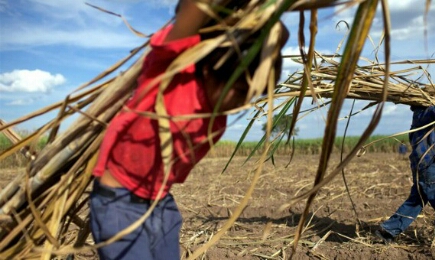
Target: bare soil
377 184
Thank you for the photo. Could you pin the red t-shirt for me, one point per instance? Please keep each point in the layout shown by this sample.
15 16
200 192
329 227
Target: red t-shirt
131 146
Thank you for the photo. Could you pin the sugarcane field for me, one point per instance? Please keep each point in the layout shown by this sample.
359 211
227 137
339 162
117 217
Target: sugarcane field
337 227
261 129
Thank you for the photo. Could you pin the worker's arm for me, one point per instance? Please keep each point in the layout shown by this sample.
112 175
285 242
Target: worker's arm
188 20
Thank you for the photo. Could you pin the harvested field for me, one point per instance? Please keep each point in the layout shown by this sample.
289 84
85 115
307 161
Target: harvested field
378 184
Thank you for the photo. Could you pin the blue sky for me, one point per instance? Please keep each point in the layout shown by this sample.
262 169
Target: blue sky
50 47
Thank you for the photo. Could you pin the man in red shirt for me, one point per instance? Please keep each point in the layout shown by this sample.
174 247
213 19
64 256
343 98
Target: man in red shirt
130 170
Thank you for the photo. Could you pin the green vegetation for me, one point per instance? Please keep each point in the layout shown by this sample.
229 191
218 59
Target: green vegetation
18 159
281 125
225 148
313 146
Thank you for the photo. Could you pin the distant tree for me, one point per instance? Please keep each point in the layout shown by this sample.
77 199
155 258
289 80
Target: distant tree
282 126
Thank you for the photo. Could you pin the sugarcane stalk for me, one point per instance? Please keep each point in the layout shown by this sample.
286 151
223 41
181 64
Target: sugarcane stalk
54 226
55 158
77 188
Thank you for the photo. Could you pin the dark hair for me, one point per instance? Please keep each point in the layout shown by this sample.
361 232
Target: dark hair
227 68
224 11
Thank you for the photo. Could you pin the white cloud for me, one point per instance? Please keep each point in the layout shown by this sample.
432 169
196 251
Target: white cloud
389 109
290 50
407 19
289 66
30 81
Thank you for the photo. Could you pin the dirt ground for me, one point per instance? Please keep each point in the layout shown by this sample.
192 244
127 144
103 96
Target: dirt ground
377 183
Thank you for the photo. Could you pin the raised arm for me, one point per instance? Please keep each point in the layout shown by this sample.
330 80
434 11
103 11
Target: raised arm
188 20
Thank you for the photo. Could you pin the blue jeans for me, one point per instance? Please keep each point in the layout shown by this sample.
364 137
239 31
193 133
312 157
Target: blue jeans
156 238
410 209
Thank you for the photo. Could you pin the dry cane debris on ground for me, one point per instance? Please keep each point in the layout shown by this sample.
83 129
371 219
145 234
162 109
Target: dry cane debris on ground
262 231
378 184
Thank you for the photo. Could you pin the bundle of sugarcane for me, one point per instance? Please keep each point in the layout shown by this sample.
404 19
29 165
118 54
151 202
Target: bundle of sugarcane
35 203
411 86
40 206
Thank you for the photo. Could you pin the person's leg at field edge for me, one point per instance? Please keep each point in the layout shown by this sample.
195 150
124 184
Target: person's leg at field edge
410 209
404 215
157 238
428 184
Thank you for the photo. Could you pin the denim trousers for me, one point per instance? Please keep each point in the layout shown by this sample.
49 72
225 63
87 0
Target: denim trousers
422 192
156 238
